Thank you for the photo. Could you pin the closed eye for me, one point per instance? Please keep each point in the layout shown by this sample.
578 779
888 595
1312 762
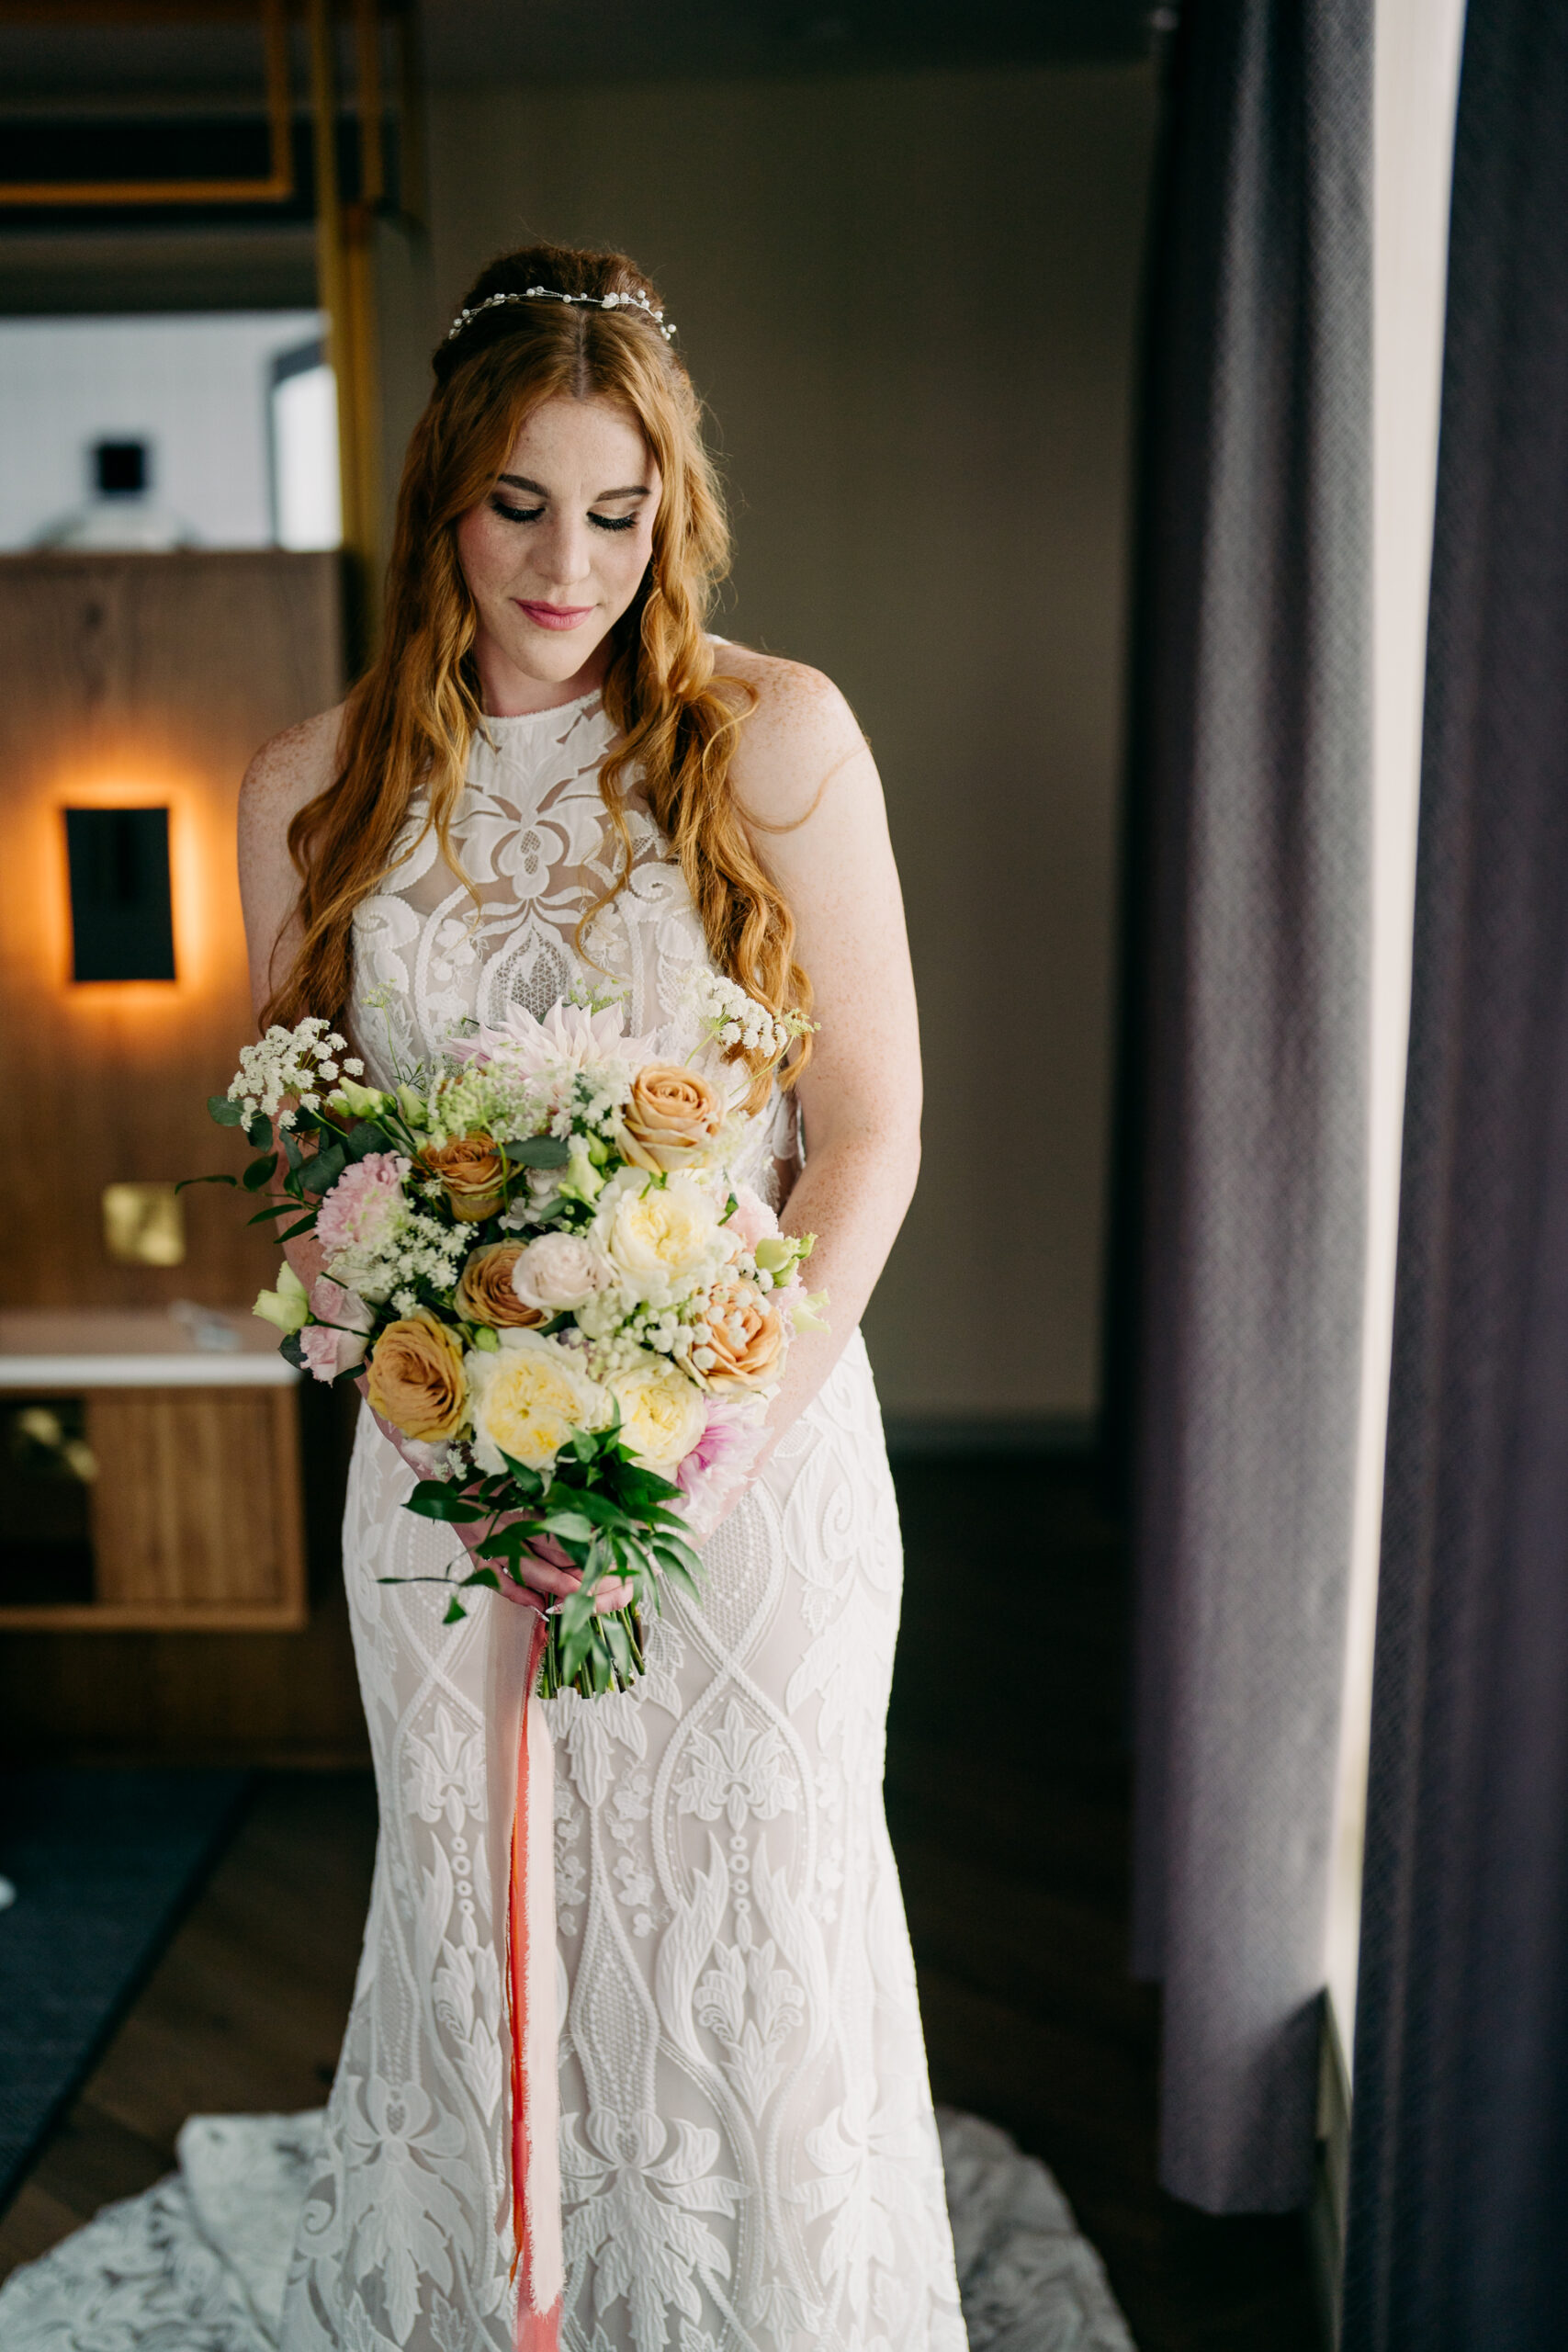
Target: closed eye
532 514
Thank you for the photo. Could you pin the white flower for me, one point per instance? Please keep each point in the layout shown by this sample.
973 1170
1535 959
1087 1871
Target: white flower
284 1062
559 1271
662 1414
569 1037
528 1396
729 1012
664 1239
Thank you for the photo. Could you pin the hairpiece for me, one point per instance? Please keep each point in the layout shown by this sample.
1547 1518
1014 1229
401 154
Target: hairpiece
548 294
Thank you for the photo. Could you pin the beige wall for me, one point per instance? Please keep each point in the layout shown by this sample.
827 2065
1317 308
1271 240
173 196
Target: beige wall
910 301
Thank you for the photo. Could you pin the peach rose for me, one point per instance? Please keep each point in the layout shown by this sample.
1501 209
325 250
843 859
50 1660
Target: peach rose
415 1377
485 1294
673 1118
473 1174
743 1334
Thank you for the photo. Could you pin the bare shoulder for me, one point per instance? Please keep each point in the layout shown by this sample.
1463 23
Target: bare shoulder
289 770
800 733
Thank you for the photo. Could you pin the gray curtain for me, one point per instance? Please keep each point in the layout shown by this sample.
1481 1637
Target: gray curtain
1245 1090
1459 2188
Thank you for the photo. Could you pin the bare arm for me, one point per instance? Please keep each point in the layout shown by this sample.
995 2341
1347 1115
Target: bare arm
809 788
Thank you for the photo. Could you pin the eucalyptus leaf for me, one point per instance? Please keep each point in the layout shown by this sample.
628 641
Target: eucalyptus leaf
434 1498
567 1526
186 1181
260 1173
322 1172
528 1482
537 1151
227 1113
258 1132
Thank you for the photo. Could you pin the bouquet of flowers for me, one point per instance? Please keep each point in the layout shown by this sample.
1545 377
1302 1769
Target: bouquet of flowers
536 1257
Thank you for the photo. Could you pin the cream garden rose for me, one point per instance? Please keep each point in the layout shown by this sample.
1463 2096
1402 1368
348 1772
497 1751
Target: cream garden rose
664 1239
527 1396
662 1415
559 1271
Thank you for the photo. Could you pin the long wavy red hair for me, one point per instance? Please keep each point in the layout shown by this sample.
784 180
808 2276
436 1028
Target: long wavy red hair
411 719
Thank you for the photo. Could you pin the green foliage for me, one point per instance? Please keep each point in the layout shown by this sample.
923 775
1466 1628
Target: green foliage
536 1151
610 1517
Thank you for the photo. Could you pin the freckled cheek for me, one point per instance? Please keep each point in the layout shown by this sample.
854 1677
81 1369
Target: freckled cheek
622 573
486 559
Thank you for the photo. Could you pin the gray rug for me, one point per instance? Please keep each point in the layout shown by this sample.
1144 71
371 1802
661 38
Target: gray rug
103 1865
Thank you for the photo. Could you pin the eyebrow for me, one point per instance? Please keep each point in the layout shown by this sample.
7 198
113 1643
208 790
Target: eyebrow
520 482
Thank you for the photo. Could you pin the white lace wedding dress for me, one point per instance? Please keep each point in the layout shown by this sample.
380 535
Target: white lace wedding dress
748 2153
750 2160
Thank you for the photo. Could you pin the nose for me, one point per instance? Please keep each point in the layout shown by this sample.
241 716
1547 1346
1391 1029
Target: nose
563 552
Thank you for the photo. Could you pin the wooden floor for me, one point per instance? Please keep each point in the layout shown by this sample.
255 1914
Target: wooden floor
1007 1797
1008 1790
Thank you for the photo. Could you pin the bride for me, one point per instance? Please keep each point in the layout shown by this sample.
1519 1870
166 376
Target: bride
554 779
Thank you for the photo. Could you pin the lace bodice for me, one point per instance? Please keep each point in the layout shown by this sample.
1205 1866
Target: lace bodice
532 834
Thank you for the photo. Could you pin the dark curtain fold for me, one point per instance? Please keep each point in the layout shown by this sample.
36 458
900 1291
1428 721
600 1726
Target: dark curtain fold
1250 838
1459 2220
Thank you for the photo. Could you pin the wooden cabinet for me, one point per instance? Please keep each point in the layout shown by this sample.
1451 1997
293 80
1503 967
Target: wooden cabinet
175 1473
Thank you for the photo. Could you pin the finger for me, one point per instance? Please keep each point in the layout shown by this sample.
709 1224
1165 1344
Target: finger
520 1594
556 1582
614 1593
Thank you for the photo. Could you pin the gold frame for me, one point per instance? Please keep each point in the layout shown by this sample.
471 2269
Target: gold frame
276 188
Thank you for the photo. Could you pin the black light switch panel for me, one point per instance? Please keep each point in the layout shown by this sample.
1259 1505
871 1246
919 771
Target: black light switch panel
121 928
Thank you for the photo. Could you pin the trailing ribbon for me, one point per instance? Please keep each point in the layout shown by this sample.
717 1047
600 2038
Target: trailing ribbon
537 2265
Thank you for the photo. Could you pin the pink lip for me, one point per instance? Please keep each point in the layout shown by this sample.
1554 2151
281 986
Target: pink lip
553 616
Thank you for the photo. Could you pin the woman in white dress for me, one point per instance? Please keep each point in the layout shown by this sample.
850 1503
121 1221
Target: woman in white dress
553 780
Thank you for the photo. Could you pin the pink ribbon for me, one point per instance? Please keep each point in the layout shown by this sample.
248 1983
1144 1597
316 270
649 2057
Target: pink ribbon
538 2265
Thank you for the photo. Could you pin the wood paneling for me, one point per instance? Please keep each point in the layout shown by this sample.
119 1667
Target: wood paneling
206 1696
137 680
196 1505
195 1514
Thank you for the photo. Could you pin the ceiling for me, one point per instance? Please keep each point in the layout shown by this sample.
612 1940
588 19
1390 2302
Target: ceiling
76 54
579 40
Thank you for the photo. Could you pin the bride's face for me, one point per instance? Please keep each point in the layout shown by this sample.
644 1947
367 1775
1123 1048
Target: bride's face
555 553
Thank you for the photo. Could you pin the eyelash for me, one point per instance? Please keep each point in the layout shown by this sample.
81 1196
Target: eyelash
532 515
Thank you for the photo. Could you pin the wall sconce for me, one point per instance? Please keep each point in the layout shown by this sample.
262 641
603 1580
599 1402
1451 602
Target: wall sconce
144 1225
121 923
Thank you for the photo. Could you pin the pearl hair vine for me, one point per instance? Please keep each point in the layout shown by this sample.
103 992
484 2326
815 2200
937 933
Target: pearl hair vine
548 294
